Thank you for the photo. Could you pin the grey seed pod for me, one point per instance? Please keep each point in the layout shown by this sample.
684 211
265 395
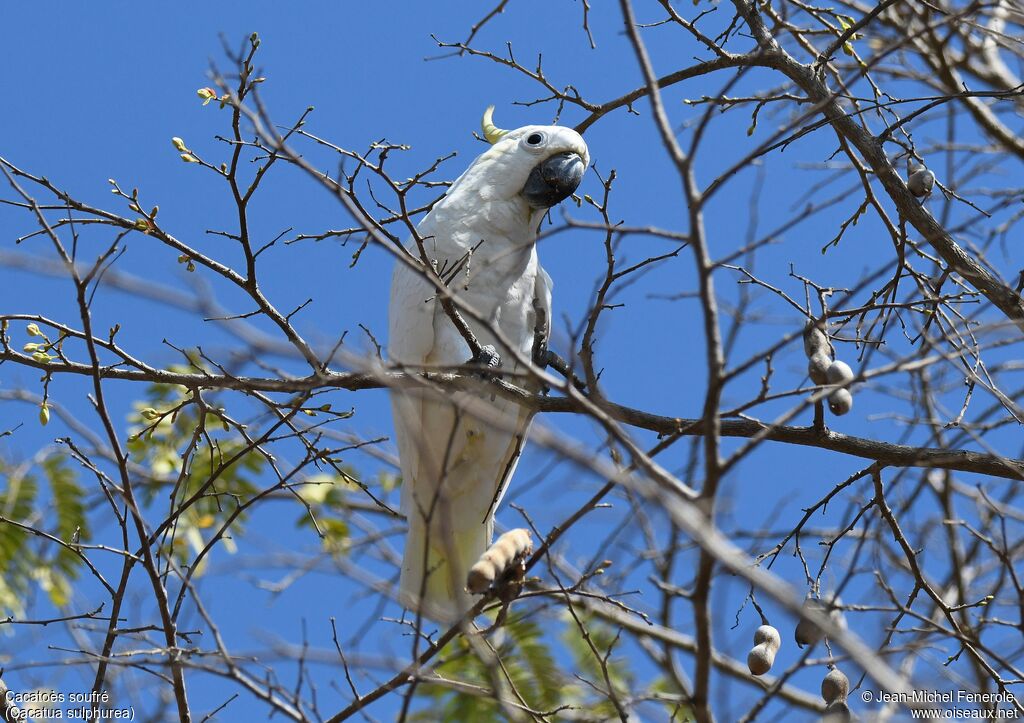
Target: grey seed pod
806 632
760 659
838 712
767 635
815 340
839 373
921 182
840 402
835 686
817 368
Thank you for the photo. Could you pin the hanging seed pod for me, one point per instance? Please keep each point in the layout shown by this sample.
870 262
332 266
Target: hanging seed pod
817 368
806 632
840 402
815 340
838 712
835 686
767 635
761 657
839 372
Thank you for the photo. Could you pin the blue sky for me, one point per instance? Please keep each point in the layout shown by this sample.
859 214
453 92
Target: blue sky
94 91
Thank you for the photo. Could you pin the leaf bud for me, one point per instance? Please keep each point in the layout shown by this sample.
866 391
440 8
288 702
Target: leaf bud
207 94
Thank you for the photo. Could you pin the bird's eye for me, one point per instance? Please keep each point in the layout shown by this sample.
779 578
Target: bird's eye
535 139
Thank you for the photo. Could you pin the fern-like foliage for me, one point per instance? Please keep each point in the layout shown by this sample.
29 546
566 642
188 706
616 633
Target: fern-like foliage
17 504
182 462
26 558
528 668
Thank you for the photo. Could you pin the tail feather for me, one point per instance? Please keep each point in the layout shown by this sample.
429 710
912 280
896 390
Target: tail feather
445 556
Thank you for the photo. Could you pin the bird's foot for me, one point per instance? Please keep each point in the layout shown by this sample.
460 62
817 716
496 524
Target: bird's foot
488 361
487 357
542 356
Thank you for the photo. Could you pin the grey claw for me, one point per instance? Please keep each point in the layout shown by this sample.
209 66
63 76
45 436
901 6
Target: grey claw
488 357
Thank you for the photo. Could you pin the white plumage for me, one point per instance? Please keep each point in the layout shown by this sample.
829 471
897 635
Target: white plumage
455 467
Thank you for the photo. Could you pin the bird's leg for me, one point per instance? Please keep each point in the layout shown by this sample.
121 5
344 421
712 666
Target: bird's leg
543 356
489 362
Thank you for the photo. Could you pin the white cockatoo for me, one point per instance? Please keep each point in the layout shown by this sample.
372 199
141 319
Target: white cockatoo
481 238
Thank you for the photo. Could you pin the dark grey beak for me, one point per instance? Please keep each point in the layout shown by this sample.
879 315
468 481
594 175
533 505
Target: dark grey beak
553 180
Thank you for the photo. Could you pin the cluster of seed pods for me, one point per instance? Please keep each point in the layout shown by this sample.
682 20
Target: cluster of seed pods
835 687
823 369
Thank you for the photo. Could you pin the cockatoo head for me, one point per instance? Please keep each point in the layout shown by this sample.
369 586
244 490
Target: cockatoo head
542 164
